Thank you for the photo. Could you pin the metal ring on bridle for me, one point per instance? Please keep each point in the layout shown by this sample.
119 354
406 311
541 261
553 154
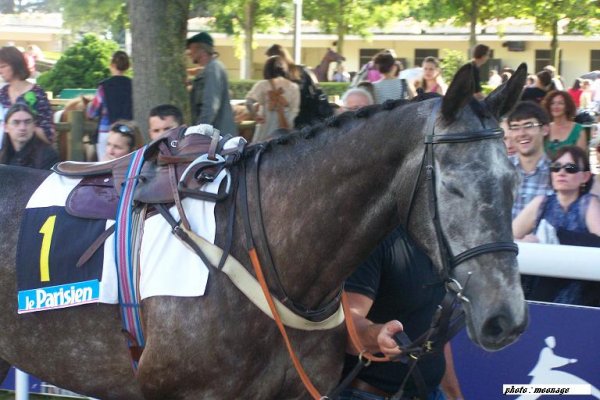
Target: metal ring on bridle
361 358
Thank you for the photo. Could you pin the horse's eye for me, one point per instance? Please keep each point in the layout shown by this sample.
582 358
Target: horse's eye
452 189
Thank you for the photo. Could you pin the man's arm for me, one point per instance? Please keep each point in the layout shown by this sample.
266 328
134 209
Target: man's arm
449 383
376 338
94 108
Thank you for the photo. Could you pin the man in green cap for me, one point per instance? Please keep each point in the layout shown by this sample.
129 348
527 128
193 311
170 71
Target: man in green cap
210 89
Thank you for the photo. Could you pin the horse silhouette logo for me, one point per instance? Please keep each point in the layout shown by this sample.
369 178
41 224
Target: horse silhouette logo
544 372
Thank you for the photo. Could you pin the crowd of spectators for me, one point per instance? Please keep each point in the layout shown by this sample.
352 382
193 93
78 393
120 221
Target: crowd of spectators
553 203
556 202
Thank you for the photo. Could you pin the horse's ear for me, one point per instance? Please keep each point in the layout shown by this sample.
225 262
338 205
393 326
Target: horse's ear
506 96
459 93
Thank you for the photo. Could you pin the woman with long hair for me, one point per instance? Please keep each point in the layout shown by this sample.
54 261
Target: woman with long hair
14 71
113 100
575 91
274 101
573 213
314 106
432 81
563 130
570 207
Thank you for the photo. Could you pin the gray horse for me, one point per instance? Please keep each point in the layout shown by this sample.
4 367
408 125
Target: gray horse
329 194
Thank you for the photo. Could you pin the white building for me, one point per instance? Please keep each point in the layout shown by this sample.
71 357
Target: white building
512 42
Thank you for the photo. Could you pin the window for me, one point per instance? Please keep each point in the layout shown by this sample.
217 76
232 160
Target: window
420 55
595 60
542 58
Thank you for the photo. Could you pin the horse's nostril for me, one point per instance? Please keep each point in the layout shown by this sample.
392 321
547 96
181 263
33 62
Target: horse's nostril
495 327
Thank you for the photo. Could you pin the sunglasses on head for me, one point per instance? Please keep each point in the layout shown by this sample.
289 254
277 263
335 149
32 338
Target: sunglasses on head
124 129
570 168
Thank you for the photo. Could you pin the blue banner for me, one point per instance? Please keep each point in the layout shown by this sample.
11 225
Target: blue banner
560 346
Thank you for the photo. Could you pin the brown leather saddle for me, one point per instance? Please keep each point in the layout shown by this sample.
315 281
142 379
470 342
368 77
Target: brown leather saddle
174 165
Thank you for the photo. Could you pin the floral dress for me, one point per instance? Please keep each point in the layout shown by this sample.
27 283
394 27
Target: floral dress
38 102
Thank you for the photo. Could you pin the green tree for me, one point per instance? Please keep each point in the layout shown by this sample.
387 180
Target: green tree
357 17
242 18
158 31
564 16
451 62
466 12
83 65
98 16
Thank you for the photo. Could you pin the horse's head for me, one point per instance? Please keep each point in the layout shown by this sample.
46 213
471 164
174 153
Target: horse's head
332 56
77 104
473 184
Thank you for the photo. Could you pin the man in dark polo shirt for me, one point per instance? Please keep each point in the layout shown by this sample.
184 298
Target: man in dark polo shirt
397 288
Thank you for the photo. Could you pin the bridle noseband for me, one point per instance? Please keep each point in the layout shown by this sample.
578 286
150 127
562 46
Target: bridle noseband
449 261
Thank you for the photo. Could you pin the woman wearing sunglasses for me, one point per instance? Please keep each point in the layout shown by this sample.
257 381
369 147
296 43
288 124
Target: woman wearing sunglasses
123 138
570 208
574 214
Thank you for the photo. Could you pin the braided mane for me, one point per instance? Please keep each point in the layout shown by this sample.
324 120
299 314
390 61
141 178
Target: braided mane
339 121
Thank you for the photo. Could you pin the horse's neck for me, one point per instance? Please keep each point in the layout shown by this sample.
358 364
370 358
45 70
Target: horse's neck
327 201
322 69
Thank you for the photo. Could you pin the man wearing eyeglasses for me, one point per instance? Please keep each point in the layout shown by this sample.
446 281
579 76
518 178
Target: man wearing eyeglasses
528 125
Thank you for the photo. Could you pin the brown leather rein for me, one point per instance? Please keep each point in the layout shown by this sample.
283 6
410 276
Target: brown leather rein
258 269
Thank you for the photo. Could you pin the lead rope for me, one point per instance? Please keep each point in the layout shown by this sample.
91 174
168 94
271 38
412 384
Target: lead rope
288 344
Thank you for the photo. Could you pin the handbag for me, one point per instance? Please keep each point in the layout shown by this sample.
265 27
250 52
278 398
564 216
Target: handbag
277 102
314 104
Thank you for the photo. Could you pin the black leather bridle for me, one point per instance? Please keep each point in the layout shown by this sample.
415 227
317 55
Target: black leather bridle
449 261
449 319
